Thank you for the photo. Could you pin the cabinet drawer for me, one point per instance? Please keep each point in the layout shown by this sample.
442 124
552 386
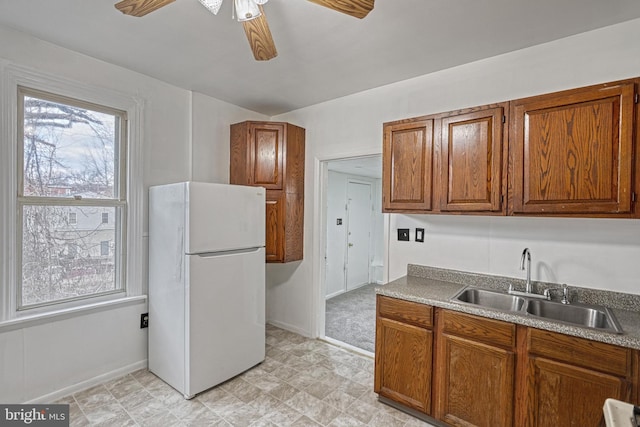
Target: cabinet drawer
581 352
405 311
477 328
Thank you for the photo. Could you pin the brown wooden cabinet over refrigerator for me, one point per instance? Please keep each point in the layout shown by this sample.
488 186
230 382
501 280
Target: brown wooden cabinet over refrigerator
271 155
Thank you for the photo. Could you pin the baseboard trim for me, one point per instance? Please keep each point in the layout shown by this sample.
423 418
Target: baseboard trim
83 385
349 347
431 421
335 294
289 328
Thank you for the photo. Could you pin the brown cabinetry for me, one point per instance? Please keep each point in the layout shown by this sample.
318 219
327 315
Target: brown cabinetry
475 370
271 155
473 158
407 166
570 153
567 379
466 370
573 151
404 343
450 162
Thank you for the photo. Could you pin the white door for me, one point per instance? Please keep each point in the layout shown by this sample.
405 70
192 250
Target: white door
358 233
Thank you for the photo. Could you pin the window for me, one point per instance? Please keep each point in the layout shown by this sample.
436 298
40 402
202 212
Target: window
71 157
104 248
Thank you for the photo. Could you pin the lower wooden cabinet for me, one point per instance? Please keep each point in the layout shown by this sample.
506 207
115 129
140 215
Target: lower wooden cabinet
404 344
567 379
467 370
475 370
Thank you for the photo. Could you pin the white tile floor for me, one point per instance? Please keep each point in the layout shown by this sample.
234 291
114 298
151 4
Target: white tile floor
302 382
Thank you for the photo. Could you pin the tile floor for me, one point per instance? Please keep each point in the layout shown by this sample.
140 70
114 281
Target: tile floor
302 382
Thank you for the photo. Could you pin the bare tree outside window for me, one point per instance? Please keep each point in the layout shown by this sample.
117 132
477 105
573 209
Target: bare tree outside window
69 184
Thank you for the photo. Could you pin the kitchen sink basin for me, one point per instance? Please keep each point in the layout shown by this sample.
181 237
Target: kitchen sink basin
491 299
588 316
596 317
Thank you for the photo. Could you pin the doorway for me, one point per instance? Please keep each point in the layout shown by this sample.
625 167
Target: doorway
353 249
359 216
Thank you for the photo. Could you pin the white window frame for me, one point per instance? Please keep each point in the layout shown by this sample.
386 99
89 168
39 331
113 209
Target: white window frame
14 76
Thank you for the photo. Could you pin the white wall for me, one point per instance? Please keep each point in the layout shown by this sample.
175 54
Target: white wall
43 360
337 234
353 126
211 136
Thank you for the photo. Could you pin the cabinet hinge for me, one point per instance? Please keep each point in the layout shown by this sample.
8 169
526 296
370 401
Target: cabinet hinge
635 99
501 199
504 119
633 196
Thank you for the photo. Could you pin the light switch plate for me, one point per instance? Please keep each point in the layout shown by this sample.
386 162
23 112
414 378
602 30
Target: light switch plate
419 234
403 234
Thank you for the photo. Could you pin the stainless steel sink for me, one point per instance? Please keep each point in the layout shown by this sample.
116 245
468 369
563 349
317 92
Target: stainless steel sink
588 316
490 299
596 317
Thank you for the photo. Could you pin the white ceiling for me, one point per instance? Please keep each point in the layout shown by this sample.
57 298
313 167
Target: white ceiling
322 54
369 166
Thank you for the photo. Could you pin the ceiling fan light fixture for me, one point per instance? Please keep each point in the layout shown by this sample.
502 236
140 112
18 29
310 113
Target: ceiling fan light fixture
246 10
212 5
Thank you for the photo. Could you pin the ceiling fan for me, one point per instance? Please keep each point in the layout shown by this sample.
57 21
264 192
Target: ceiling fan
251 14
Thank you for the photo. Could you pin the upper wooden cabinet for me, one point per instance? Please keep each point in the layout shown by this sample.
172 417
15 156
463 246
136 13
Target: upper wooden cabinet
450 162
271 155
472 159
572 152
407 166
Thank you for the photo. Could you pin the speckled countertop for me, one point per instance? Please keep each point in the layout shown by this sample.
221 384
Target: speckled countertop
436 287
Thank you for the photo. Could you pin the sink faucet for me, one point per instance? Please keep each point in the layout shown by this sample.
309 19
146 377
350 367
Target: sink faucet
526 254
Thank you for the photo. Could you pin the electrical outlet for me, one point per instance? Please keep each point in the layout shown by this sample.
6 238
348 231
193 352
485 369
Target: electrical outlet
144 320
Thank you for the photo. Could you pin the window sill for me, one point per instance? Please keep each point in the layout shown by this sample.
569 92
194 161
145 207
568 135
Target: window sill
67 313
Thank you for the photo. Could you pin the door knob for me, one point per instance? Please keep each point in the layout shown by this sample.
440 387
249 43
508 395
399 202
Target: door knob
350 244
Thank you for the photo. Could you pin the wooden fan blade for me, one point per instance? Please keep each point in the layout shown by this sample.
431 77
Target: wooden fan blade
357 8
259 36
140 7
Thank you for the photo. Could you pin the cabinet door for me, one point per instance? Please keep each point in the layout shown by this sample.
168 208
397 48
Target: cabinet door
274 233
407 166
475 375
267 145
471 155
403 363
565 395
572 151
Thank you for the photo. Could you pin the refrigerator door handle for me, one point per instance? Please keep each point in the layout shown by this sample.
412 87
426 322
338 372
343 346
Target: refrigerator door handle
232 252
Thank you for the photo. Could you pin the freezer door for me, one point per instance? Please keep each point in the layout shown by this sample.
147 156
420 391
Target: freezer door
226 317
224 217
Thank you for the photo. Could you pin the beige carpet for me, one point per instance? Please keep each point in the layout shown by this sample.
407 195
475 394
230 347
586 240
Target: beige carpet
351 317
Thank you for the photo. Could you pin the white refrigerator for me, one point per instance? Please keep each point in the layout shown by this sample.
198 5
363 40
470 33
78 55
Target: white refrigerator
206 283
